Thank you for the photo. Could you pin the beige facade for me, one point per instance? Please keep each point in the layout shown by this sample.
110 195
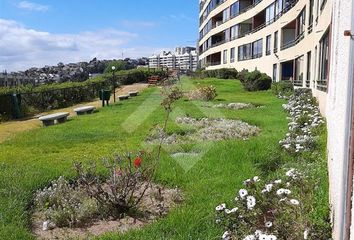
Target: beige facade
287 39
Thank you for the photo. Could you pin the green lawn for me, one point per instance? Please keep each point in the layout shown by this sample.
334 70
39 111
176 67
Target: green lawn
30 160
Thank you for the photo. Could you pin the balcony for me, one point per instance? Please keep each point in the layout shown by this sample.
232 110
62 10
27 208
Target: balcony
213 59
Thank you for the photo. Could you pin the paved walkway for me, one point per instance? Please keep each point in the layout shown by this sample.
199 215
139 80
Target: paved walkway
10 129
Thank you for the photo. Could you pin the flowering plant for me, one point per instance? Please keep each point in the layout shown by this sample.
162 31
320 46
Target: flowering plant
264 210
305 117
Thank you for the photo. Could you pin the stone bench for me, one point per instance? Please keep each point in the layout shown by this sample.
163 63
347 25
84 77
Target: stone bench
84 110
123 97
133 94
48 120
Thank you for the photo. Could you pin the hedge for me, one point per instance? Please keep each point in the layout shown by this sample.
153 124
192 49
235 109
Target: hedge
60 95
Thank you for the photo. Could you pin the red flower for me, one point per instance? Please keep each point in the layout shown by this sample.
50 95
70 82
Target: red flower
137 162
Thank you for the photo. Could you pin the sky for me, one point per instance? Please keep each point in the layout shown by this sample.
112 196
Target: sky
38 33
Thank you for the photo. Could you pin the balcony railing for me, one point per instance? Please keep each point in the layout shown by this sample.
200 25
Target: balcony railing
322 85
310 28
231 17
293 42
285 10
214 63
298 83
307 83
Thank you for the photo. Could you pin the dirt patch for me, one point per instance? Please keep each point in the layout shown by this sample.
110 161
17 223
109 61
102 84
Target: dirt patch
205 129
156 203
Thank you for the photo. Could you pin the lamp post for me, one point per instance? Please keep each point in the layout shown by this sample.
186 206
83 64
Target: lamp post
114 83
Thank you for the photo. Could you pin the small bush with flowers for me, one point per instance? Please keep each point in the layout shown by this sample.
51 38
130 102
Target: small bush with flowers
92 195
305 118
266 210
203 93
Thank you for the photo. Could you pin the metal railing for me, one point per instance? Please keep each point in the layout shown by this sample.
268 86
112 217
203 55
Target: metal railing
322 85
293 42
298 83
231 17
285 10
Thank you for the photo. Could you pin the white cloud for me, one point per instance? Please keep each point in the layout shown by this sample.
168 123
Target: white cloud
31 6
22 48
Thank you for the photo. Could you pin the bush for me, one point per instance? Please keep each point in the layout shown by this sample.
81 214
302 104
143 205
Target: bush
223 73
256 81
207 93
283 88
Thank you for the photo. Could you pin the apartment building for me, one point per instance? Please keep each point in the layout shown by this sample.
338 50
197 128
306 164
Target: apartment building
287 39
184 58
311 43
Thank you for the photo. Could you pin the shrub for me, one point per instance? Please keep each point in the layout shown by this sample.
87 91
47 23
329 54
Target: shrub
65 205
267 210
283 88
256 81
206 93
124 188
223 73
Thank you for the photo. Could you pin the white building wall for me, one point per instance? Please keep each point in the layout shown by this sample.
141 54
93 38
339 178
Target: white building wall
338 112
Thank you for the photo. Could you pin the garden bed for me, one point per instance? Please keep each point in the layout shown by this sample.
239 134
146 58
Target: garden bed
156 203
205 129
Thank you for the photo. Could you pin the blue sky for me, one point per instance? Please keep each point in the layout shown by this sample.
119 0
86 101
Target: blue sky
36 33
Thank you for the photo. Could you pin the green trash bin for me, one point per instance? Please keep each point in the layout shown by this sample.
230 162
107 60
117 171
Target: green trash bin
16 105
105 95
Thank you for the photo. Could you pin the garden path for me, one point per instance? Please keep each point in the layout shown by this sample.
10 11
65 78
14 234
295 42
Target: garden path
11 128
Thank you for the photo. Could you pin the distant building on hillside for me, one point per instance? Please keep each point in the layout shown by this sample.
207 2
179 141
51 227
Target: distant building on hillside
184 58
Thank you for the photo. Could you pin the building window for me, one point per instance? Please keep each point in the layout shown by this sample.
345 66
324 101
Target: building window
244 52
234 9
268 44
232 55
257 49
299 71
276 41
270 14
308 69
323 62
225 56
275 72
234 32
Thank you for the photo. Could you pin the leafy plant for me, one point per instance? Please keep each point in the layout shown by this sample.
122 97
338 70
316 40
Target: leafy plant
256 81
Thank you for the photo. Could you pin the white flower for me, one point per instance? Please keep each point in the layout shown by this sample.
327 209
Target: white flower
272 237
306 234
251 202
268 224
256 179
250 237
294 202
243 193
269 187
236 199
263 237
226 236
282 200
221 207
257 233
218 221
277 181
228 211
246 181
287 191
280 191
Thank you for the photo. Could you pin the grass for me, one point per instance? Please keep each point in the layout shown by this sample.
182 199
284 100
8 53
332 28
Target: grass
31 159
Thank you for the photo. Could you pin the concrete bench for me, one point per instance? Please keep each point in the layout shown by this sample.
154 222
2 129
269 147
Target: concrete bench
84 110
48 120
133 94
123 97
